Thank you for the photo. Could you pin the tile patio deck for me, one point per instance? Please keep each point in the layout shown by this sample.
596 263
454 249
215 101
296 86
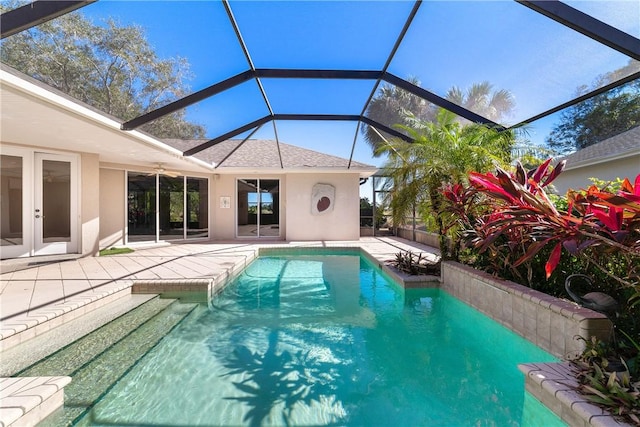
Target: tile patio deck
34 292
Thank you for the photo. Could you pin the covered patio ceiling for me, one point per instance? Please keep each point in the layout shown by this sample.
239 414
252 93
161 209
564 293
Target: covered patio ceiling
269 62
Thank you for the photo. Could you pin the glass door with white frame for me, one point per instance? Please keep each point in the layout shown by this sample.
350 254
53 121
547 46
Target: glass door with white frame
55 209
15 180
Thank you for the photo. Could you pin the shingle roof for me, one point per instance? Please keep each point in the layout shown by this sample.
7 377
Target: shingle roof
263 153
626 143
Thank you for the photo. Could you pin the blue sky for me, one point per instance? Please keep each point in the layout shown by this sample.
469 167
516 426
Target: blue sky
450 43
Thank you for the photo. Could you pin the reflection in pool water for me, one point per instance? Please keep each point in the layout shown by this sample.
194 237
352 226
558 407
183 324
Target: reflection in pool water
328 340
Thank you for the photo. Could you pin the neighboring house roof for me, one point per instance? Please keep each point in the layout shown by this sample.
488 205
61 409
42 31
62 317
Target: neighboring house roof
263 154
622 145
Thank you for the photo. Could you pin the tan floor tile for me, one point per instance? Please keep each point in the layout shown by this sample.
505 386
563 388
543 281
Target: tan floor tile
16 298
47 291
49 272
93 270
137 267
113 268
74 287
144 273
72 270
26 274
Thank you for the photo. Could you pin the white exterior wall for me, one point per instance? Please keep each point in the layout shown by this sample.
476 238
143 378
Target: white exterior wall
296 220
112 209
223 219
343 223
89 204
578 178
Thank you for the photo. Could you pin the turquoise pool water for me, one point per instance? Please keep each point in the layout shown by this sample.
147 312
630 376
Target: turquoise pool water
328 340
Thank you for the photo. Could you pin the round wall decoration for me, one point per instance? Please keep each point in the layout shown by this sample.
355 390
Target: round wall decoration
322 198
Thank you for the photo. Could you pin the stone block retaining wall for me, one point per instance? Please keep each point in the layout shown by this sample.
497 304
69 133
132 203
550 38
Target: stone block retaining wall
423 237
551 323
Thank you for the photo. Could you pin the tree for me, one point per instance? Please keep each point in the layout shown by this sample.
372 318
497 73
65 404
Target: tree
483 100
365 203
110 67
443 151
392 105
600 117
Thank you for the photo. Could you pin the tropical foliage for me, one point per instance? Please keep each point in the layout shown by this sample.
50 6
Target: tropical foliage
443 151
390 106
597 221
410 263
512 227
609 379
482 99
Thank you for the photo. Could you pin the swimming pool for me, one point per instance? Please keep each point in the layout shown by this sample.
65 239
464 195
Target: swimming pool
326 340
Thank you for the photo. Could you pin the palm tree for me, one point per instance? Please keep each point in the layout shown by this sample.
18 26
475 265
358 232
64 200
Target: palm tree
444 151
392 105
389 107
481 99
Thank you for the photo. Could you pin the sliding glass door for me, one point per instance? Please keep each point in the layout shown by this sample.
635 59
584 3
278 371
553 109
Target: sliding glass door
162 207
171 208
197 206
258 212
141 201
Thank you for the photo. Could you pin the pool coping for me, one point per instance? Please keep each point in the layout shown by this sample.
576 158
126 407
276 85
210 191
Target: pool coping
575 402
29 400
555 385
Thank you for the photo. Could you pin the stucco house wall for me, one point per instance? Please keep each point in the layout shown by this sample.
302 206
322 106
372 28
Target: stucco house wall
224 219
342 223
89 204
112 209
296 219
100 154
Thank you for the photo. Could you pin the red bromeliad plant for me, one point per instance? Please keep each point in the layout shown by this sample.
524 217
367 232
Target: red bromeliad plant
517 224
523 218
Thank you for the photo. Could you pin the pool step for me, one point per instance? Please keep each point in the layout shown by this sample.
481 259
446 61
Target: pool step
27 400
20 328
29 352
98 360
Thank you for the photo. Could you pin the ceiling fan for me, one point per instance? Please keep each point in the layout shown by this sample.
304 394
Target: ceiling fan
50 177
159 169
